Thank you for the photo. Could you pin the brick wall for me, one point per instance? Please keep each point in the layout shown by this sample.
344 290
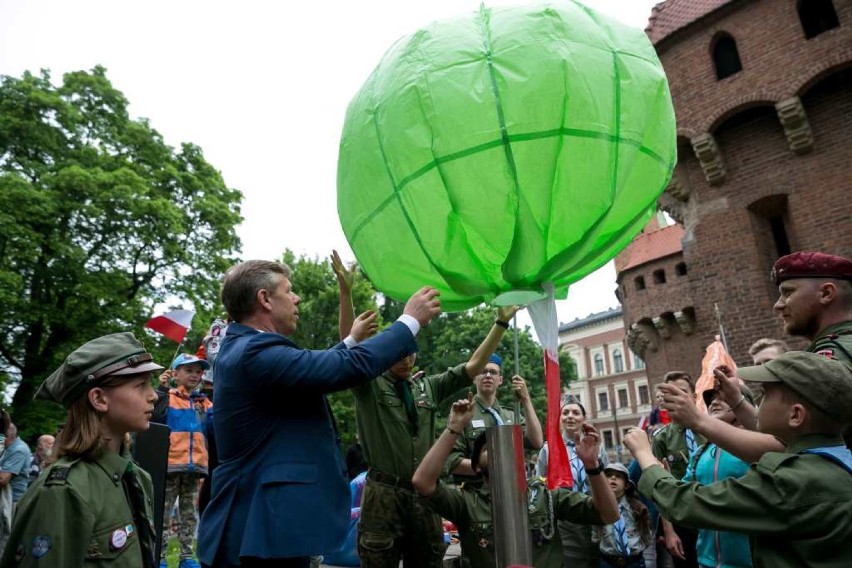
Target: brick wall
730 245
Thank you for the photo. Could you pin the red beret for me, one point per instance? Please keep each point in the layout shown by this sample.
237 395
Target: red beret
811 265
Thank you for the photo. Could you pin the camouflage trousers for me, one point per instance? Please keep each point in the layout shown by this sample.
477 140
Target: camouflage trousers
182 487
396 525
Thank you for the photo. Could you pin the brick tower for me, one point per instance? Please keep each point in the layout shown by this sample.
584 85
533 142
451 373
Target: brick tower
762 90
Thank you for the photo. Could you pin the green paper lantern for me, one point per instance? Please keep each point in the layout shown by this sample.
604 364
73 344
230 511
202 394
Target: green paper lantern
490 154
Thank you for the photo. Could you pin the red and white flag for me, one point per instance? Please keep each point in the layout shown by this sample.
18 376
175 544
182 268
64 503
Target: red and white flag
544 318
173 325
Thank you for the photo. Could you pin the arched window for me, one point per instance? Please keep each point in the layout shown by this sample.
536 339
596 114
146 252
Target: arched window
639 281
599 364
660 276
726 58
618 361
638 363
816 16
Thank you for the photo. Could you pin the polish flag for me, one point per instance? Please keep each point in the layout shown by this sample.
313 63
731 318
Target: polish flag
173 325
543 315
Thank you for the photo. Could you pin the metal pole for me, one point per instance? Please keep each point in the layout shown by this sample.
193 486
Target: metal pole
721 326
517 367
507 474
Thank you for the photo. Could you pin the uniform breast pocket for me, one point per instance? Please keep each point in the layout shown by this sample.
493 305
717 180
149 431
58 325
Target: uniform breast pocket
112 541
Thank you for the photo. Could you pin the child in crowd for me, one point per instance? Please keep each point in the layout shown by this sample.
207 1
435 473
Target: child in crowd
93 505
623 542
795 505
709 464
188 458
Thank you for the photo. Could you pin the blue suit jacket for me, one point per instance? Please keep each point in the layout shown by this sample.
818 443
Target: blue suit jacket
281 488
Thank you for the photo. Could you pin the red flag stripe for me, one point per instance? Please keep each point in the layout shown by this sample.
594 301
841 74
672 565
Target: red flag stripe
558 467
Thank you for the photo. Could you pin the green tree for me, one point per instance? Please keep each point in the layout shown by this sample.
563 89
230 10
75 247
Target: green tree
100 221
315 283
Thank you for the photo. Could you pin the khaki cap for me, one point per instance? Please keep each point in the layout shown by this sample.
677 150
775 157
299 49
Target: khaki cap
824 382
108 356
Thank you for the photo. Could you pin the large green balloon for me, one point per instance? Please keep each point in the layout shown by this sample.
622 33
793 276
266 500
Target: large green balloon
490 154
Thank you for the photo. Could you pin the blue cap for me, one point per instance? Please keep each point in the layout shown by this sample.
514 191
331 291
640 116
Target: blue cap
496 359
186 359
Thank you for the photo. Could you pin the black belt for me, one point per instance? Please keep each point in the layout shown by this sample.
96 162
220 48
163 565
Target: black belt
391 480
619 561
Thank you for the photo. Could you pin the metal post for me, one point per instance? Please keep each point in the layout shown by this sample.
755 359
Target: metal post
512 542
517 368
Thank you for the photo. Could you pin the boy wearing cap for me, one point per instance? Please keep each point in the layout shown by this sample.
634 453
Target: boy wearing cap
93 505
795 505
187 418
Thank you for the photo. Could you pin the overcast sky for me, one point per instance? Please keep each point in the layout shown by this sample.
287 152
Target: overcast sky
261 87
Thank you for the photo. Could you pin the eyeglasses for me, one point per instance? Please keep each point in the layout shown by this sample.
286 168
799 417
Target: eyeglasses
492 372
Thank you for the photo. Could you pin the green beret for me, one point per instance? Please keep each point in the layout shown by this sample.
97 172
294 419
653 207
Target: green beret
108 356
824 382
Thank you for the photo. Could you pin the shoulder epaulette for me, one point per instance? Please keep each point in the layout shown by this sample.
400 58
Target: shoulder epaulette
773 460
660 431
58 474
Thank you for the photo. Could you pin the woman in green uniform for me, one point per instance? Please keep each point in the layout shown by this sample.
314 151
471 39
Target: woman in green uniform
93 505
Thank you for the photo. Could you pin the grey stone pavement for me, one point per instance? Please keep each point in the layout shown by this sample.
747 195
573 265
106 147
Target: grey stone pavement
449 559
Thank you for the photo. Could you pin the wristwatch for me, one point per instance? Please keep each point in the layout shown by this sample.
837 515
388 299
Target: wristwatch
595 471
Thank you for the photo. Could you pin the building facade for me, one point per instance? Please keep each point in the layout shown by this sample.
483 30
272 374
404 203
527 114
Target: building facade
762 90
612 384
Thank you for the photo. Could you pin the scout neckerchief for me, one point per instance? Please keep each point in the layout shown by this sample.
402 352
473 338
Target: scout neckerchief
621 539
497 418
837 454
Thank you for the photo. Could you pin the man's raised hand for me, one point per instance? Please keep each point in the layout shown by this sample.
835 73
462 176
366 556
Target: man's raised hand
424 305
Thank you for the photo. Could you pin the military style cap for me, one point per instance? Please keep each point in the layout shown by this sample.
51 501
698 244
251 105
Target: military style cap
185 359
825 383
811 265
108 356
710 394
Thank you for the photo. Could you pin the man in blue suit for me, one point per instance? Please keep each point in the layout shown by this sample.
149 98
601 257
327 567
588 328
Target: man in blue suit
280 492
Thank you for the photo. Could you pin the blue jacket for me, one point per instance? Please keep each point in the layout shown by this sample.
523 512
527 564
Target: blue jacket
720 549
280 489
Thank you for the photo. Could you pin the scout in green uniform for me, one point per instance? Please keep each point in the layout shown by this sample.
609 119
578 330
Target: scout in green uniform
470 511
93 506
396 426
672 445
796 504
487 411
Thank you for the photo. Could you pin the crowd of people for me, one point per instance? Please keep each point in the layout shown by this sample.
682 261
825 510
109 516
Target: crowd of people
763 478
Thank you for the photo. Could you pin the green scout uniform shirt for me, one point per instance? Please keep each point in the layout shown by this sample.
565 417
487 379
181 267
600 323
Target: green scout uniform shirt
836 341
795 507
481 420
79 513
669 444
470 511
384 430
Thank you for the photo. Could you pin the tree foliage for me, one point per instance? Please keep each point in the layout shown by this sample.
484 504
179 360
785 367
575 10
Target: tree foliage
100 221
446 342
